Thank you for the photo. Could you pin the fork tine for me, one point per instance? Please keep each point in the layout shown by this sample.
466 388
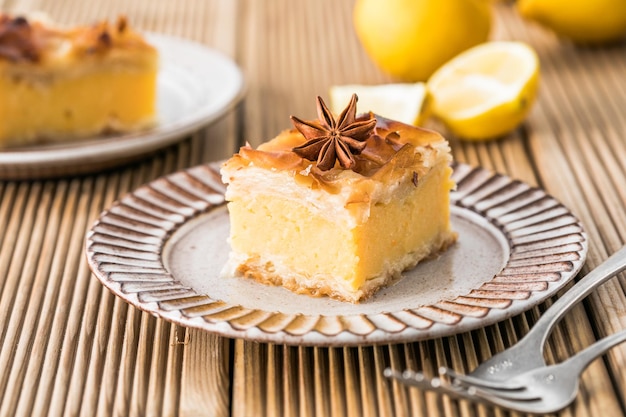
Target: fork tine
521 406
472 393
517 395
419 380
470 381
409 377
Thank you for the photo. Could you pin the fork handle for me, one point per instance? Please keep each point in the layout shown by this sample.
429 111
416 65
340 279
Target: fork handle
581 360
615 264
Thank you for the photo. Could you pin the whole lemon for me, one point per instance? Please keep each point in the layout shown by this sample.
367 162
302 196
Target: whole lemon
410 39
582 21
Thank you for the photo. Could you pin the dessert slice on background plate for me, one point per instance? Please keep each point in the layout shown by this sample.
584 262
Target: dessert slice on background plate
60 84
340 206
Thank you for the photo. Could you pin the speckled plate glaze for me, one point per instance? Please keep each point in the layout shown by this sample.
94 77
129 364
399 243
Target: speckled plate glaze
161 248
195 86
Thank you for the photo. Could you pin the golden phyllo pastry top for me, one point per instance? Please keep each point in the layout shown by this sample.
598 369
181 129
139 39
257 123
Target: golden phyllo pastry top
386 163
37 44
324 151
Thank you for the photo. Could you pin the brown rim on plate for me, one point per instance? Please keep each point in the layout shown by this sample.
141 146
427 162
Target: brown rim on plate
131 246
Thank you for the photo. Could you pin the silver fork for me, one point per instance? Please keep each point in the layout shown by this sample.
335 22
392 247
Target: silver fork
527 353
550 388
542 390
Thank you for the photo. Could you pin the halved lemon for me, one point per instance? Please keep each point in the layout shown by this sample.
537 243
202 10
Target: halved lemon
486 91
402 102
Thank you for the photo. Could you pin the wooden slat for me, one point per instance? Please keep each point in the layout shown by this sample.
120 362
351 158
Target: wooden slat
305 388
205 370
323 394
249 370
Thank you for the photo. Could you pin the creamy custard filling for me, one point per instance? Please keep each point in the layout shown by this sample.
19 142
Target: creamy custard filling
77 108
309 243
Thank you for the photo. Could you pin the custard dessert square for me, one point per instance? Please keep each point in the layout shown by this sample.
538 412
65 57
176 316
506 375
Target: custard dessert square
342 233
61 84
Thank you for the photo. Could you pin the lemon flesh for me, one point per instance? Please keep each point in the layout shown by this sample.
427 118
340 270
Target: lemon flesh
410 39
486 91
401 102
582 21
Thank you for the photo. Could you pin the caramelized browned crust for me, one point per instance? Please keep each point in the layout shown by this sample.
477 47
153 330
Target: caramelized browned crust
393 148
17 41
34 42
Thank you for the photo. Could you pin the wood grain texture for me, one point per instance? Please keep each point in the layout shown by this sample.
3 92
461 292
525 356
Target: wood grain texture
70 348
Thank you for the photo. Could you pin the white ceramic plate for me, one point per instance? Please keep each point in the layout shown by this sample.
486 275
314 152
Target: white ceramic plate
162 247
195 86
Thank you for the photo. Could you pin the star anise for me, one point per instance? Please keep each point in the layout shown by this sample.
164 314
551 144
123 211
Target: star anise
329 140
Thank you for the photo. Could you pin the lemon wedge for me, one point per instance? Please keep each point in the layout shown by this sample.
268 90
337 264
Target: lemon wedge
401 102
486 91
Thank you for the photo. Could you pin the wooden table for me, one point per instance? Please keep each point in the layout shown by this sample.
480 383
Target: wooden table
69 347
